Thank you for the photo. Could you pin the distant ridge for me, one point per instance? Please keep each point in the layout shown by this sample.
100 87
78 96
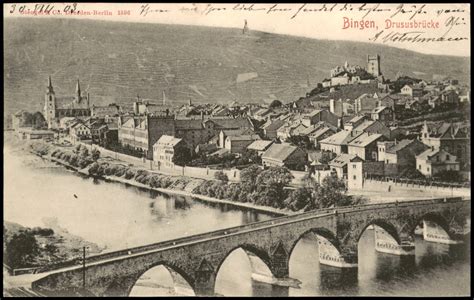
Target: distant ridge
116 60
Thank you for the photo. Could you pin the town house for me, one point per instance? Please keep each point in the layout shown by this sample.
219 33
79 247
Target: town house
365 146
279 155
164 150
433 161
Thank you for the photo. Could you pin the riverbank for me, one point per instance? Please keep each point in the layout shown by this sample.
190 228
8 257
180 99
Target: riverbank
192 182
46 245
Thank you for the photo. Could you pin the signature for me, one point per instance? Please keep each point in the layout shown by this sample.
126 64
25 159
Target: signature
413 37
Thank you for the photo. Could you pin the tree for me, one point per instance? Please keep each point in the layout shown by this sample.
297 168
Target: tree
77 149
270 186
84 152
95 154
301 141
21 249
449 176
332 192
411 173
249 174
220 175
275 104
182 155
299 199
275 176
326 157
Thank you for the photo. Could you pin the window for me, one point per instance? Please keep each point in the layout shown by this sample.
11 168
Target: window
428 169
354 166
447 157
386 161
354 177
419 167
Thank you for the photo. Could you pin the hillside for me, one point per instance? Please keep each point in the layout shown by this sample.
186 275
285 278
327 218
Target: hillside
115 61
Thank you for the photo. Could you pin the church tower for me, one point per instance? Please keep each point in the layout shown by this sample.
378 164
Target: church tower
50 104
78 92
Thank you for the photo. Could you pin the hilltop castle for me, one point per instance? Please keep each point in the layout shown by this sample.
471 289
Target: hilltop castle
373 65
56 108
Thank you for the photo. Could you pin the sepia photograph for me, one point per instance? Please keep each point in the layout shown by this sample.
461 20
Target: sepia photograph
236 149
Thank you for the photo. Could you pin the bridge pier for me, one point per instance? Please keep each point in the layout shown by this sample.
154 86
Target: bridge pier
330 255
279 276
181 286
432 232
205 280
386 243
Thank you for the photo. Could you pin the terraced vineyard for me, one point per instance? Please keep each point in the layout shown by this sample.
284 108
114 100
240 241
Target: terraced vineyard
116 61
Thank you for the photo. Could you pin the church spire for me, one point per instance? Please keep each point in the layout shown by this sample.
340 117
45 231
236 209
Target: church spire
50 86
78 90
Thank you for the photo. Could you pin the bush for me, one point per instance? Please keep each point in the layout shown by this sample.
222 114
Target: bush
83 162
21 249
73 160
111 170
42 231
154 181
166 182
93 168
129 174
121 171
220 175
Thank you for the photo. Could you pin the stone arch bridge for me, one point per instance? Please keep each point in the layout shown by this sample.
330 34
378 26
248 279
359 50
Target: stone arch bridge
198 258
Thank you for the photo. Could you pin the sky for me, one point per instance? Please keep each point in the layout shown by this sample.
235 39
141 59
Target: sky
355 22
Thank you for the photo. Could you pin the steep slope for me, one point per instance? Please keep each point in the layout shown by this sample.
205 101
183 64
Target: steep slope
116 61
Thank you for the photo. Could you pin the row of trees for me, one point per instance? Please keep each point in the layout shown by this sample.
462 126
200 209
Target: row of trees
80 156
227 160
270 188
142 176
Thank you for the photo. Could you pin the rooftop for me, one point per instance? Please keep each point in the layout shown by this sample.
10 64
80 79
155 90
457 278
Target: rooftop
365 139
343 159
167 140
260 145
279 152
340 138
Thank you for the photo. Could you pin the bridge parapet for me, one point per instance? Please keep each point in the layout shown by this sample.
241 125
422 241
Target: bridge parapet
198 258
235 229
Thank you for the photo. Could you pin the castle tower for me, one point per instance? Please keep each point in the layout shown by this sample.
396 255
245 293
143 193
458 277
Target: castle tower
373 65
50 104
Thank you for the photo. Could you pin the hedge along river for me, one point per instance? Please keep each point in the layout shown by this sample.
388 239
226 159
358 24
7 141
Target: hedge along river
118 216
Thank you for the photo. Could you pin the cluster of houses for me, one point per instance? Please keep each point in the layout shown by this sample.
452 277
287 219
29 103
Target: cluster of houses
356 123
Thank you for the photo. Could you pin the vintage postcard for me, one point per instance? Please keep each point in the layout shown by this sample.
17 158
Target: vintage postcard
237 149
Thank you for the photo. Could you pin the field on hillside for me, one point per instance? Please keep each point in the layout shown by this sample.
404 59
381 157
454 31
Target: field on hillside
116 61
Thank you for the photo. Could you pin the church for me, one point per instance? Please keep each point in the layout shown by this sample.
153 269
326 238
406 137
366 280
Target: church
56 108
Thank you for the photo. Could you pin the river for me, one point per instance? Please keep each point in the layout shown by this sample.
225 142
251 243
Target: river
116 216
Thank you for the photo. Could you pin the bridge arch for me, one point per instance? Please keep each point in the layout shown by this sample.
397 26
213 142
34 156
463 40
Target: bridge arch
434 217
385 225
258 258
170 268
320 231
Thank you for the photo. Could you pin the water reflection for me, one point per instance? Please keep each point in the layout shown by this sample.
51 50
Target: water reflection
121 216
